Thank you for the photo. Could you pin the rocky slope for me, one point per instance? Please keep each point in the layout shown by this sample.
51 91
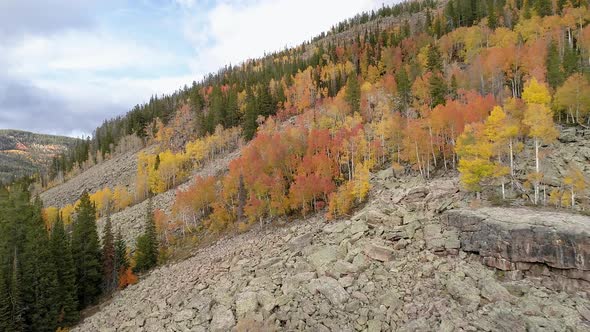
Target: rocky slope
120 170
393 266
131 221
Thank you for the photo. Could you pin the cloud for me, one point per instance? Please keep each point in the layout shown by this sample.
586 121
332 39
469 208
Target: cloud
233 31
26 106
18 17
69 65
82 51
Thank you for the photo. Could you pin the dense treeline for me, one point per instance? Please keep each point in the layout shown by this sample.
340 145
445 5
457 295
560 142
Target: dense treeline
49 272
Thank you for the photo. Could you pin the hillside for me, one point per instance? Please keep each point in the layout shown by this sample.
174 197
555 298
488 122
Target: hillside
392 267
24 153
422 167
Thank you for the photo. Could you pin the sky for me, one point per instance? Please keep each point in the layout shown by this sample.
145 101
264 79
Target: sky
67 65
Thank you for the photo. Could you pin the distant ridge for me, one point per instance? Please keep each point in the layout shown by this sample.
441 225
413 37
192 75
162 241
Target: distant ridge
24 153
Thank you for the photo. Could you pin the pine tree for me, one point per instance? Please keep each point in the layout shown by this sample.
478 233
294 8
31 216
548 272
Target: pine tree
39 275
353 93
108 257
121 260
434 59
438 90
17 316
5 303
570 61
250 116
86 253
146 253
66 275
543 7
552 63
404 88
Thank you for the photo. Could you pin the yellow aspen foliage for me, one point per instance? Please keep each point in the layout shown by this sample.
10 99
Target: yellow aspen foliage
142 187
49 215
536 93
197 151
66 213
538 117
121 198
475 152
361 182
577 183
102 199
555 197
341 202
220 219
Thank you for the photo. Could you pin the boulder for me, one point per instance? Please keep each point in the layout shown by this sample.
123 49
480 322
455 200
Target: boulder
246 303
223 319
511 237
378 251
464 293
330 288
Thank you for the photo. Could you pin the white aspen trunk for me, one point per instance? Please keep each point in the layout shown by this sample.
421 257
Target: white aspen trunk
537 169
573 198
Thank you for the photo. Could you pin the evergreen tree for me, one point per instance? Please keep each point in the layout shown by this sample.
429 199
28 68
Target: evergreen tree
86 253
39 286
121 261
438 90
554 73
492 16
16 297
108 257
251 115
404 88
543 7
570 61
5 304
66 275
434 59
146 253
353 93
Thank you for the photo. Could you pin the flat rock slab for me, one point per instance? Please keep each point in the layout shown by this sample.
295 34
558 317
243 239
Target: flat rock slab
512 236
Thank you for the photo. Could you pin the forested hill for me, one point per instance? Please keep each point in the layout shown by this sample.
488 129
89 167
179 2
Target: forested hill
24 153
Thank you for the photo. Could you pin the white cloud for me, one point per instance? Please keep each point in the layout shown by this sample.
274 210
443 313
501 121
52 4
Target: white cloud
237 30
82 51
79 73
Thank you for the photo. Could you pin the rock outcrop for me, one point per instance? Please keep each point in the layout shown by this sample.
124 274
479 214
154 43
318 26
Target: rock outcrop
531 241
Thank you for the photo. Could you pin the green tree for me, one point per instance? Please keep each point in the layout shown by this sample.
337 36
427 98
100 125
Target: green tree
108 257
121 261
438 90
353 93
39 277
554 73
66 275
434 59
86 252
146 253
404 87
5 303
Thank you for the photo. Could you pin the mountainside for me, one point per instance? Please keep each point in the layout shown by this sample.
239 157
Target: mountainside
422 167
23 153
395 266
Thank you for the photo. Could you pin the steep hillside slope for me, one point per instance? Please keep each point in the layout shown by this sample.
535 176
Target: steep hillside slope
382 270
120 170
24 153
